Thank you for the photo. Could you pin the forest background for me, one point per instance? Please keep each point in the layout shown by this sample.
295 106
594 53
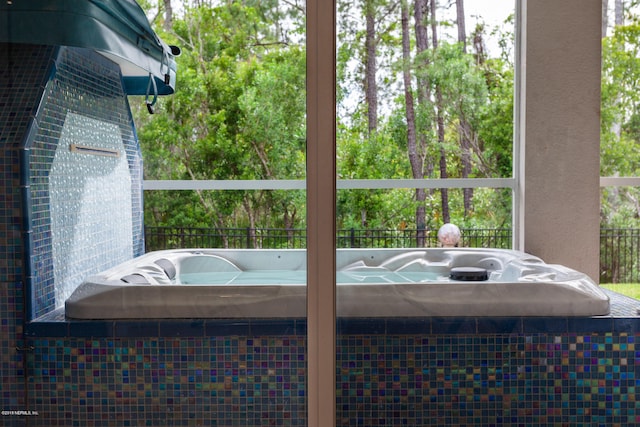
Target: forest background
424 89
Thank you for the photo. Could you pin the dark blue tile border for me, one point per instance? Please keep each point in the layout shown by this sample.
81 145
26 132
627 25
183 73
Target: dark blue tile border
367 326
500 325
344 326
47 329
178 328
626 325
91 328
413 326
264 327
587 324
454 326
223 327
541 325
136 328
301 327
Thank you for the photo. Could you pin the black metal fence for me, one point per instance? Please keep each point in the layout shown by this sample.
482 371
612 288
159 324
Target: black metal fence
619 255
270 238
619 248
157 238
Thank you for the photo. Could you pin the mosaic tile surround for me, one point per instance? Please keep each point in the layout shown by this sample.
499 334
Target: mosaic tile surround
39 87
19 98
382 380
83 103
389 372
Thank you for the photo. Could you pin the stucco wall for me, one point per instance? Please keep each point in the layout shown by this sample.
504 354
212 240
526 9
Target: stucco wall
560 135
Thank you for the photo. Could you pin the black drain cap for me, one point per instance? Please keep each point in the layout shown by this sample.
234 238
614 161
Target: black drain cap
469 274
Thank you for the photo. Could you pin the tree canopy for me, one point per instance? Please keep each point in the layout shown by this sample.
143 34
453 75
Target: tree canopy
420 96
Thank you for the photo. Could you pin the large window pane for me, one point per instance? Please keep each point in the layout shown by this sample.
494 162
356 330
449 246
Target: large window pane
620 133
425 91
236 122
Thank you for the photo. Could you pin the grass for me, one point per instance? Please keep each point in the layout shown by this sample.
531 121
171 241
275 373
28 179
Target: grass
629 289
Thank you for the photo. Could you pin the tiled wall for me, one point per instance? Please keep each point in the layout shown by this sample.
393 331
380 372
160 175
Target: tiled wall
389 372
517 380
53 99
48 95
23 73
561 379
223 381
86 212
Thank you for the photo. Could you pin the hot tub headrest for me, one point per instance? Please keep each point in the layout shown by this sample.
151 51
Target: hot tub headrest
168 267
135 279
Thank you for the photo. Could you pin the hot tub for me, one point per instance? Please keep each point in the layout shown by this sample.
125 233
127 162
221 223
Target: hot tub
249 283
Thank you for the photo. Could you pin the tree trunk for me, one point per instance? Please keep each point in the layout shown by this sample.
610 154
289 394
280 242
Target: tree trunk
464 130
444 194
422 44
605 17
414 156
252 239
478 46
168 15
370 87
619 20
619 12
423 92
462 31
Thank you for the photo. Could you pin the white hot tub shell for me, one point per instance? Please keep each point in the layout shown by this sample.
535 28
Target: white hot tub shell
248 283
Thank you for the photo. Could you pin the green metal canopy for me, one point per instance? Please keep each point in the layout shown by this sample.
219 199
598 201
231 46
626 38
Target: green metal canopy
117 29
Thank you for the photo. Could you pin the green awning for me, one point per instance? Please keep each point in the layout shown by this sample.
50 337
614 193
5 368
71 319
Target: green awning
118 29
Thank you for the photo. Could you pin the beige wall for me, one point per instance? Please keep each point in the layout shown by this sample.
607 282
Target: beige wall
560 132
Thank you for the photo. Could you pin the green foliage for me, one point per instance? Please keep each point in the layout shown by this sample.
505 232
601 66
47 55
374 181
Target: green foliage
620 112
374 157
495 121
460 82
492 208
620 101
240 113
273 116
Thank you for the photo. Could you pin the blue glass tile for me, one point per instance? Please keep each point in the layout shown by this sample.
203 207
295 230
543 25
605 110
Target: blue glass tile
266 327
545 325
177 328
227 327
445 325
75 95
136 328
626 325
420 325
499 325
47 329
91 328
347 325
588 324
